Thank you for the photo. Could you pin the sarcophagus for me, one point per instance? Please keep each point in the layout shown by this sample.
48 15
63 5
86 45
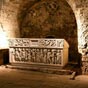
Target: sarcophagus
38 51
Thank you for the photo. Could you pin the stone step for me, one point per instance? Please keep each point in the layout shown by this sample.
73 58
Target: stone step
41 68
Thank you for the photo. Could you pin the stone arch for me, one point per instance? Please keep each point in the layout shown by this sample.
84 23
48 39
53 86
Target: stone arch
80 9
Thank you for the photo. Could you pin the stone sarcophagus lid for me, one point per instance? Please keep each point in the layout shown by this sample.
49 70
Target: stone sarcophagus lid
38 51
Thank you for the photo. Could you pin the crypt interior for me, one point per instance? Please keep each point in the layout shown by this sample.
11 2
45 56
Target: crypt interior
33 24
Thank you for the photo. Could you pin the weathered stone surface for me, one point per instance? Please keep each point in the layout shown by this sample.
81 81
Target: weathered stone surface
38 51
9 16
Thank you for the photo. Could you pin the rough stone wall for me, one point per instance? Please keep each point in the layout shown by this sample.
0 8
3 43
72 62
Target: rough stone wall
10 15
82 15
49 18
80 8
8 18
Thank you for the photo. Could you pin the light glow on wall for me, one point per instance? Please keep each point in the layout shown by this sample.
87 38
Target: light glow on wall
3 39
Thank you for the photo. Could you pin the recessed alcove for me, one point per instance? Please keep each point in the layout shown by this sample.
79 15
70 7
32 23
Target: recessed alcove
50 36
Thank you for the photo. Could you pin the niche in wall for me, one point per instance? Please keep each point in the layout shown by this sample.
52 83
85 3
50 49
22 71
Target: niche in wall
51 17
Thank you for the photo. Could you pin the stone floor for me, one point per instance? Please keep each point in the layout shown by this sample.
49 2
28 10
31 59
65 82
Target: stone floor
13 78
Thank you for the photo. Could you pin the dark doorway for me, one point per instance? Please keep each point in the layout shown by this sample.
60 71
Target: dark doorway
5 56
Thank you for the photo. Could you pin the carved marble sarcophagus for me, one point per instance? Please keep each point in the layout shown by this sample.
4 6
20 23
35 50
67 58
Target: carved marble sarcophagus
38 51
